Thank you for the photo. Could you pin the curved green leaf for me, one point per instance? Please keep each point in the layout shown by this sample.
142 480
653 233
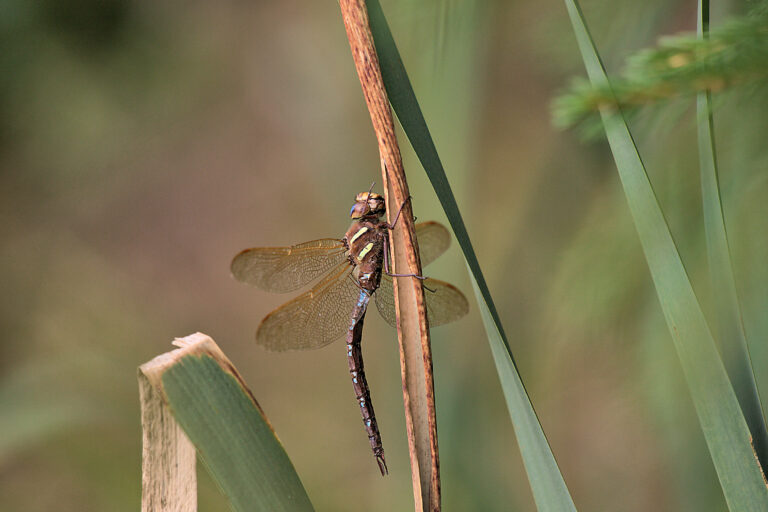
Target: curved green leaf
721 418
232 436
733 340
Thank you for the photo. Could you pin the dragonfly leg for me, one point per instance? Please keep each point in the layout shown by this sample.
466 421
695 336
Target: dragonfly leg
394 222
357 283
386 264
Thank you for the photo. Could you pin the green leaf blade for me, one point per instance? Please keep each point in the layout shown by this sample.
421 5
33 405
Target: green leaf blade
733 339
232 436
549 489
720 416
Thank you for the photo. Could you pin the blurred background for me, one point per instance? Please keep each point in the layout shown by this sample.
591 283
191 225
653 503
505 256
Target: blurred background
143 144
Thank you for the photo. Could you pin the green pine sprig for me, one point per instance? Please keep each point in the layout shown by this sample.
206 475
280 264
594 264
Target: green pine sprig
735 53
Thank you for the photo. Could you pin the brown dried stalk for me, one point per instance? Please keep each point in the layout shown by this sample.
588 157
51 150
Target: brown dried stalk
168 472
412 327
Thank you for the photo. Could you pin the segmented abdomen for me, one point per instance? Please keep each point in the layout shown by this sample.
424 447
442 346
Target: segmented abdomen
360 384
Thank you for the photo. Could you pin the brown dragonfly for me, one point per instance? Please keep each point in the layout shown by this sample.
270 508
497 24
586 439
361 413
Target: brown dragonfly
355 269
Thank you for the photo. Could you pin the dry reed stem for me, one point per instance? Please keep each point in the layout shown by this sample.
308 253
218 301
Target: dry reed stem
168 473
413 330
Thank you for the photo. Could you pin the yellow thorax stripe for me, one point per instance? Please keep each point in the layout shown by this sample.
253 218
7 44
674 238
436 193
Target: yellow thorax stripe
359 233
365 251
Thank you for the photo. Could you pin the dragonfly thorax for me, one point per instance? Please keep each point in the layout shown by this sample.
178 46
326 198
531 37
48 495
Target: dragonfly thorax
365 239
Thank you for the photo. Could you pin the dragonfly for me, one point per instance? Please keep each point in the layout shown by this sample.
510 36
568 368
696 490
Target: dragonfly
354 270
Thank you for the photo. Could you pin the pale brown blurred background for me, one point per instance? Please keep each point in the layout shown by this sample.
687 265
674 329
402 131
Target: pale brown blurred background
143 144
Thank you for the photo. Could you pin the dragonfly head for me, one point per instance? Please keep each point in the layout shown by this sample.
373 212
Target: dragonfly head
367 204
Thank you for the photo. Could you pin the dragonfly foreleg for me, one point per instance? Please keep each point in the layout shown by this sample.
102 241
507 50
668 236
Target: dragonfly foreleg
394 222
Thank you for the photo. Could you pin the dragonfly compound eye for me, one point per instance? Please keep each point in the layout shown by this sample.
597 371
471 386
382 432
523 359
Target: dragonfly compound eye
359 210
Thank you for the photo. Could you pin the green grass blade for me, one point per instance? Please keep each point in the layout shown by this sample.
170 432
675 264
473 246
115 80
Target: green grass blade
547 484
721 418
733 340
232 436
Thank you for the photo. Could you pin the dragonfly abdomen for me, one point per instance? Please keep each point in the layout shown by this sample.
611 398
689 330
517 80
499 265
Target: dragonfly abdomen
359 382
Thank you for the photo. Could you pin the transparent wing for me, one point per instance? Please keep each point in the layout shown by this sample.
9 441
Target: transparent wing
385 300
284 269
314 318
433 240
445 303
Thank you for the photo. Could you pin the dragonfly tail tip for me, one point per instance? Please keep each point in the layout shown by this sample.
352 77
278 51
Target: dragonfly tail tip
382 464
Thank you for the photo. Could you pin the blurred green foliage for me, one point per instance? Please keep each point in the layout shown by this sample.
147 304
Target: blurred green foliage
142 145
734 54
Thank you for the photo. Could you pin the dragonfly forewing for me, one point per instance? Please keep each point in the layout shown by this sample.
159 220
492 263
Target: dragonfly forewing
285 269
314 318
